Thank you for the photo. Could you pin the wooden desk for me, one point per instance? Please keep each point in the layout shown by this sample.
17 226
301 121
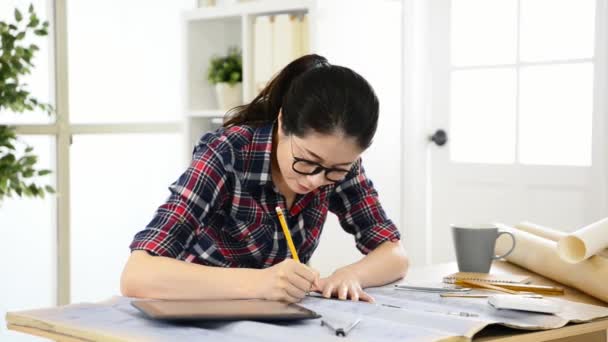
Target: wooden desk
596 331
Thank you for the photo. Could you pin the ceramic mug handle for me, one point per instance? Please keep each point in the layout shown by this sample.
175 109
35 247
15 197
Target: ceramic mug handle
510 250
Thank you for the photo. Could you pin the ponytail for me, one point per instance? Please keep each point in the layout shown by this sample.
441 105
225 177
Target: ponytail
314 96
266 105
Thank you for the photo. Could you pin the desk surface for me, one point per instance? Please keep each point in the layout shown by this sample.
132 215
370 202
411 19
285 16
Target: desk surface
589 332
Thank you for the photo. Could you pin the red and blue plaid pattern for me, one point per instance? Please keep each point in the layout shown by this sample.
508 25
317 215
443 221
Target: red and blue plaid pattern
221 210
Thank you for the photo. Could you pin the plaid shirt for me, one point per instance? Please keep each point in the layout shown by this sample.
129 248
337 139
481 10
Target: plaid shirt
221 210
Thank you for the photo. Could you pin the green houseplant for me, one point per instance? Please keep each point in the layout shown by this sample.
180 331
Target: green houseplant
226 73
17 161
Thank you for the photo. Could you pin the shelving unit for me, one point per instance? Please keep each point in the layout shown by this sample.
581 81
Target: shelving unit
210 31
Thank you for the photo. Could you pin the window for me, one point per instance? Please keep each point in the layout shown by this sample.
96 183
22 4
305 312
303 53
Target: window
125 60
117 182
522 92
118 101
124 82
27 252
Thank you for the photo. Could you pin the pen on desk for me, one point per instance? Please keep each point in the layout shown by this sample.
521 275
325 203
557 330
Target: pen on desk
402 287
463 295
341 331
485 295
292 247
454 313
346 330
487 286
539 289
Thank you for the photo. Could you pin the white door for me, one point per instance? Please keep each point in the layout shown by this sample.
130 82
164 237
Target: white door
518 87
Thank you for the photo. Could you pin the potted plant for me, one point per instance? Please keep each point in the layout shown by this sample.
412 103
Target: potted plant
17 161
226 73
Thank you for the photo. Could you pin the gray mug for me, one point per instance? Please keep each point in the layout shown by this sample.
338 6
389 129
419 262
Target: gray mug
474 245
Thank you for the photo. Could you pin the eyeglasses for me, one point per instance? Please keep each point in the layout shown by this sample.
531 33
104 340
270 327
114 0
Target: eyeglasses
308 167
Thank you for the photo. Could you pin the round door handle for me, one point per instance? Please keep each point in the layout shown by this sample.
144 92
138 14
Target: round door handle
439 138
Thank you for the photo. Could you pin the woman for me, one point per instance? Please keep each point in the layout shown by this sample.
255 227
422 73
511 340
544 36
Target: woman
297 145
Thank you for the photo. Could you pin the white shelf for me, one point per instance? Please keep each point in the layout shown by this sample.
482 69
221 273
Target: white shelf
206 113
258 7
211 31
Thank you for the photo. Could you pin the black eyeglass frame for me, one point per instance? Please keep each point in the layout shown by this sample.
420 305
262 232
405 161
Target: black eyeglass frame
318 167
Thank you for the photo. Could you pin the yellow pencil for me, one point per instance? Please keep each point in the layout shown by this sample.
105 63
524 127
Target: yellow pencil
292 248
473 283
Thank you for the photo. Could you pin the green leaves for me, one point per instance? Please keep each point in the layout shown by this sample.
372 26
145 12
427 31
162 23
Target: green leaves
18 173
16 60
226 69
18 15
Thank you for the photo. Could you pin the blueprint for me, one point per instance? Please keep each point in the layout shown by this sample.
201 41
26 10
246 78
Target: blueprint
396 316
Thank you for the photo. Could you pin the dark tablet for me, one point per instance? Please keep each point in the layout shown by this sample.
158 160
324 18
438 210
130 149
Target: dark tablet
222 310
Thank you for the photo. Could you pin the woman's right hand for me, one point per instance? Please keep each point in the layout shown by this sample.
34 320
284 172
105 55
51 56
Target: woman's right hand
288 281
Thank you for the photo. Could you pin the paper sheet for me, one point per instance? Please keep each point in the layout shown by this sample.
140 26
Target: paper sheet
417 317
551 234
117 320
542 231
540 255
387 323
420 303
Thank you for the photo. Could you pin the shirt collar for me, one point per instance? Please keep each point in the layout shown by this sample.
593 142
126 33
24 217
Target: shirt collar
261 150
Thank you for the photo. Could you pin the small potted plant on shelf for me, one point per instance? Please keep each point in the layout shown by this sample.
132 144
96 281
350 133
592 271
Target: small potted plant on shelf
226 73
18 165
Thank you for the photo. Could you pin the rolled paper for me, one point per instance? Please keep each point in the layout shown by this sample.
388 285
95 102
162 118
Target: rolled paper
549 233
584 243
538 230
539 255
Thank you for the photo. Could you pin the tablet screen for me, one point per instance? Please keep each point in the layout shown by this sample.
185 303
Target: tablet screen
253 309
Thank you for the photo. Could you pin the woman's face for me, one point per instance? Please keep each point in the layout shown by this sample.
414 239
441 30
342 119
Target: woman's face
328 150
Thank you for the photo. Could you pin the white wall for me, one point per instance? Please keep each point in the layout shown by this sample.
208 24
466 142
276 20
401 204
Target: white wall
366 37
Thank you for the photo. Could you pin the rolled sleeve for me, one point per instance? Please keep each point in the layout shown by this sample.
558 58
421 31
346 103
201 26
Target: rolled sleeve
355 202
194 196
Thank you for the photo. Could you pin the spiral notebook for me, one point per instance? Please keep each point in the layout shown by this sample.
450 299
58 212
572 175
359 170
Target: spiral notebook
488 278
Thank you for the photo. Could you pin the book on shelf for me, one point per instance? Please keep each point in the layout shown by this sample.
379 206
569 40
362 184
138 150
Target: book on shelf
286 40
304 36
277 40
262 52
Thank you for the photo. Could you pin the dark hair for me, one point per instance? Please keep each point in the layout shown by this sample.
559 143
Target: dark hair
314 95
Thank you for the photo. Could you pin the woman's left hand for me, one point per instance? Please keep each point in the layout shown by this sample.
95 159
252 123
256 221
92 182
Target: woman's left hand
343 284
